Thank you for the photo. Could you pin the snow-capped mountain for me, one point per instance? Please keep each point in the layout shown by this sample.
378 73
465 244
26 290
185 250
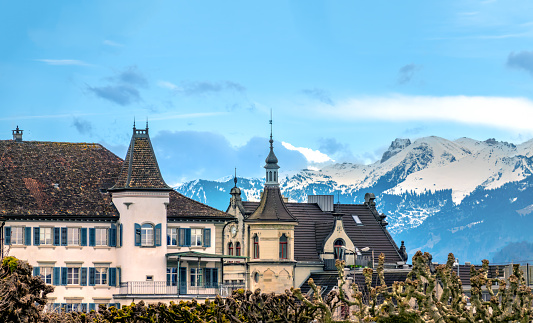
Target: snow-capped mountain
432 189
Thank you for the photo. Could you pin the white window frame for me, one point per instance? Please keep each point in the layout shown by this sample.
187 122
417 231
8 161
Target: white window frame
172 236
73 236
101 275
147 235
196 276
73 275
46 274
101 236
46 236
17 235
197 235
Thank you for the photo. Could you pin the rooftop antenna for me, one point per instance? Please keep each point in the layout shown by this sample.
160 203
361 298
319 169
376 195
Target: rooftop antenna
235 177
133 123
338 197
146 124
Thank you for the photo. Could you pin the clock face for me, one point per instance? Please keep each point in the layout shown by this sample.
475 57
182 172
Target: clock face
233 231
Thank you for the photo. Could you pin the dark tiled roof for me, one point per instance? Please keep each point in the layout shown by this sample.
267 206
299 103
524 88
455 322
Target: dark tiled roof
140 169
183 207
464 272
56 178
314 226
271 207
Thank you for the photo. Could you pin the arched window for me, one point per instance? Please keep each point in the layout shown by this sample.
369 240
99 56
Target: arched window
237 248
275 176
256 247
270 176
338 250
147 235
283 247
230 248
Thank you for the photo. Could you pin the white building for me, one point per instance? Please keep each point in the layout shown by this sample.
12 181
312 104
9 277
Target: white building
103 230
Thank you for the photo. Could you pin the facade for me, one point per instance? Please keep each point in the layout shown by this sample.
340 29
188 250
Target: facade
104 230
287 243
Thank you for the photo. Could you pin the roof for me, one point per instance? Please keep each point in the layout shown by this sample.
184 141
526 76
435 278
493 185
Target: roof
314 226
140 169
56 178
201 254
464 272
271 207
180 207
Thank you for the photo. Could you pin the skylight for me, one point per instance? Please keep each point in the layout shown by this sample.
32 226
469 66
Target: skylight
356 219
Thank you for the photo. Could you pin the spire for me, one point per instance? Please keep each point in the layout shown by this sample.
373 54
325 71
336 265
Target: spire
271 161
140 170
235 177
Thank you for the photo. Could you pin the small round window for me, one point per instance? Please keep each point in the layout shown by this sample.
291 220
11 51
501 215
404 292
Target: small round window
256 277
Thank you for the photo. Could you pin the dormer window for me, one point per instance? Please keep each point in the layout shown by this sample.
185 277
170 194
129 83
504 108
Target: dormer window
338 249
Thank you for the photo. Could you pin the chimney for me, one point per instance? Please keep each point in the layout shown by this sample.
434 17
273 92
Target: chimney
325 202
369 200
17 134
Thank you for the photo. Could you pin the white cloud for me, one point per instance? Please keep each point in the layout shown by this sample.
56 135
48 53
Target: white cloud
63 62
500 112
112 43
168 85
313 156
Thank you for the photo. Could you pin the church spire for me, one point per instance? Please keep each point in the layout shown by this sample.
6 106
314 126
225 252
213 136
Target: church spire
271 162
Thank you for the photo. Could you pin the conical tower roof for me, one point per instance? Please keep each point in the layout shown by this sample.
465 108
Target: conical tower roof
272 207
140 170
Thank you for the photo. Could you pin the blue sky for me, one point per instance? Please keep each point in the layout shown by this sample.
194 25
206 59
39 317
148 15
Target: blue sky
343 78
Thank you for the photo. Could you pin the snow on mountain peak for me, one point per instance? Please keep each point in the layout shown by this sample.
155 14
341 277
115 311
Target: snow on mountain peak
395 147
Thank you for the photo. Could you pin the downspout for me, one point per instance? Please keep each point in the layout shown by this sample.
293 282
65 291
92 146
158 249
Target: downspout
2 238
247 280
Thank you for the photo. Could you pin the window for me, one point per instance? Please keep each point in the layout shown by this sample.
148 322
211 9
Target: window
17 235
73 276
196 237
100 237
356 219
256 277
230 248
73 236
172 236
147 235
196 277
100 275
338 250
46 274
172 276
283 247
45 236
256 246
238 249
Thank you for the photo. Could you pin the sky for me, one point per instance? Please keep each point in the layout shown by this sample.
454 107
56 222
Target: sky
342 79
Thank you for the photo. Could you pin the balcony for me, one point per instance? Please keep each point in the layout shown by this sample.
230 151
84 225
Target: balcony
161 289
360 261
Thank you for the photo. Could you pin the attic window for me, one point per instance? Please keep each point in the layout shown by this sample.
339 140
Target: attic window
357 220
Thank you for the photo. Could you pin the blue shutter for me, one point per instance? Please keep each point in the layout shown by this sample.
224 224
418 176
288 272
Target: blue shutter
57 236
92 237
83 240
120 241
187 237
113 236
92 276
92 307
215 277
137 234
112 276
27 236
119 274
7 235
207 237
36 271
64 275
181 237
158 234
57 276
36 236
83 280
64 236
84 307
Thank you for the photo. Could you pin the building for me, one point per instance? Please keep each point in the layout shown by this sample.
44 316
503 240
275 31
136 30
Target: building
104 230
287 243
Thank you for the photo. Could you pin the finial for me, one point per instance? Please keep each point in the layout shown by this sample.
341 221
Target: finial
235 177
271 141
146 123
133 123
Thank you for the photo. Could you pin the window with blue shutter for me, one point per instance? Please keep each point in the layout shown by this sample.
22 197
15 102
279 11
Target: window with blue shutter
92 276
36 236
36 271
113 236
158 234
187 237
137 234
27 236
83 238
207 237
64 236
119 274
57 276
57 236
84 307
92 307
7 235
112 276
64 275
92 237
120 241
83 280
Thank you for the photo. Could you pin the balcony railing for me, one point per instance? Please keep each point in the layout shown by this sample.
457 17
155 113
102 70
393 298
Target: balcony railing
163 288
360 261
